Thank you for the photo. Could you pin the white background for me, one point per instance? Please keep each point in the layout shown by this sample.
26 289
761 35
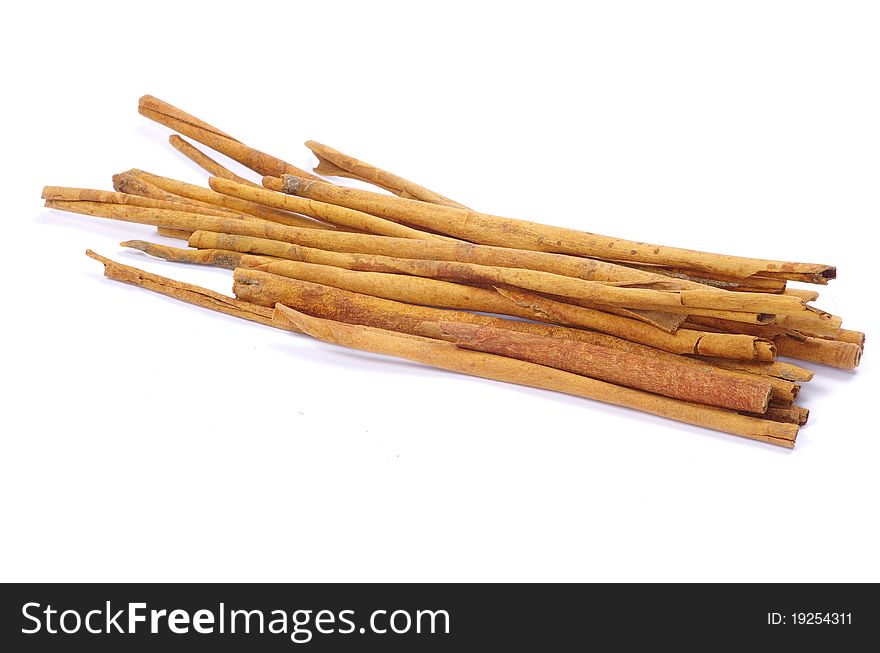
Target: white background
145 439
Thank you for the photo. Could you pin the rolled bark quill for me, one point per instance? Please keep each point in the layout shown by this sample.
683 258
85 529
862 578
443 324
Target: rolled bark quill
331 303
205 162
208 196
445 355
182 122
125 182
834 353
434 292
683 341
217 258
682 301
337 215
334 163
61 193
571 266
614 366
684 334
186 292
510 232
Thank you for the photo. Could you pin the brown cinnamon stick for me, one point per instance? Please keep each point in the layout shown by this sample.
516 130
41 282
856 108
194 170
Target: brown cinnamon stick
447 356
399 287
205 162
496 230
778 369
834 353
187 292
62 193
125 182
200 131
683 341
596 294
213 257
614 366
331 213
334 163
792 414
209 196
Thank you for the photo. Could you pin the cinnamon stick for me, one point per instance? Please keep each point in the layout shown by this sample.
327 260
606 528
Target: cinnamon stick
683 341
209 196
62 193
447 356
205 162
213 257
187 292
331 213
792 414
402 288
496 230
184 123
334 163
834 353
778 369
125 182
647 373
683 301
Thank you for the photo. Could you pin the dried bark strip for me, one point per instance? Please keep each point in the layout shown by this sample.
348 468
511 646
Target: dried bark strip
615 366
209 196
334 163
125 182
447 356
331 213
213 257
205 162
186 292
402 288
182 122
510 232
778 369
62 193
834 353
683 341
791 415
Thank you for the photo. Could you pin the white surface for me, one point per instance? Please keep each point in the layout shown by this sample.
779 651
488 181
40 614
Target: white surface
145 439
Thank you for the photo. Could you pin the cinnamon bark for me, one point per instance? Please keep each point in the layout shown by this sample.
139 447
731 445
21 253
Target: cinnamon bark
596 294
211 197
834 353
198 130
213 257
187 292
792 415
205 162
125 182
683 341
331 213
647 373
447 356
496 230
334 163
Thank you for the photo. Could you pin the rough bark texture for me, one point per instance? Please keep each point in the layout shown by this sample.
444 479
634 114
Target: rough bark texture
182 122
445 355
496 230
333 163
649 373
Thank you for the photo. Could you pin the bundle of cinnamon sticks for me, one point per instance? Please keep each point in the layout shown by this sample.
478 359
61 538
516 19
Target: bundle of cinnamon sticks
691 336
